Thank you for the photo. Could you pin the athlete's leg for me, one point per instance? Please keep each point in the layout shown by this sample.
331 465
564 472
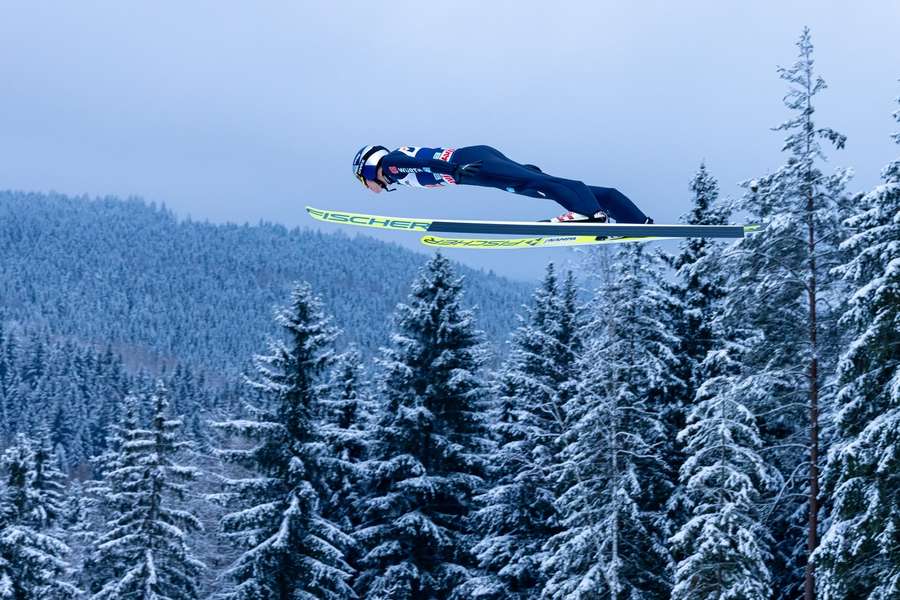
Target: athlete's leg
498 171
617 205
572 195
469 154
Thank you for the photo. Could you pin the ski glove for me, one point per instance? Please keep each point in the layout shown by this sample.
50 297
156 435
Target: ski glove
467 171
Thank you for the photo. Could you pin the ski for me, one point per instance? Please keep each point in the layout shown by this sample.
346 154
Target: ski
527 228
566 241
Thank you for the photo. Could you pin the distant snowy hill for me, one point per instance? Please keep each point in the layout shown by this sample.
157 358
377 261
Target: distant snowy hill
160 290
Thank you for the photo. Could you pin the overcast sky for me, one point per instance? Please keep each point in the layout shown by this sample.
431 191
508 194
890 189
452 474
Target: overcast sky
244 111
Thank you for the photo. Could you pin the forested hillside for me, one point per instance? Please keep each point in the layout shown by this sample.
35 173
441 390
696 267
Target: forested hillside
131 275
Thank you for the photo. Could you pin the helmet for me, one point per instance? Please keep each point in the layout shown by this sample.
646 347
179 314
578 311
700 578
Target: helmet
365 163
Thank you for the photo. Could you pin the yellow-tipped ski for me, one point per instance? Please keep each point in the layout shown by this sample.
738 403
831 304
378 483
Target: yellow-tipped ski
561 241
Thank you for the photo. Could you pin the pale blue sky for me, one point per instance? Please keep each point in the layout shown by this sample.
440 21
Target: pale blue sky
249 110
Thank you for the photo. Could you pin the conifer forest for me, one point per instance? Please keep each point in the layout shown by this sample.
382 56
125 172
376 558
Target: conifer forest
189 411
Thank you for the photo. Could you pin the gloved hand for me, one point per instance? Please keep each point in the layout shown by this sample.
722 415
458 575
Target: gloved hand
467 171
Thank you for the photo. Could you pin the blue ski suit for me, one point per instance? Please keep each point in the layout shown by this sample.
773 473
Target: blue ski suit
435 167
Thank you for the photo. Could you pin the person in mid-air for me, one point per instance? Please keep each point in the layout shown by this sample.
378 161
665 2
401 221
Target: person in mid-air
378 169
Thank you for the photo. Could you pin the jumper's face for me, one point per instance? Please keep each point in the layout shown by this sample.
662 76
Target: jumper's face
374 186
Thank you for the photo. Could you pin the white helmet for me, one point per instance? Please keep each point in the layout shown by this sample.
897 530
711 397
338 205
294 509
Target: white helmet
365 163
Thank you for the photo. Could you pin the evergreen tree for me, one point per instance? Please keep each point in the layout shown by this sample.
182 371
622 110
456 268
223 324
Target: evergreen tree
723 549
16 404
429 446
700 284
49 482
34 363
860 551
32 560
106 498
145 552
6 368
80 530
699 287
110 387
292 550
517 514
612 510
346 408
782 288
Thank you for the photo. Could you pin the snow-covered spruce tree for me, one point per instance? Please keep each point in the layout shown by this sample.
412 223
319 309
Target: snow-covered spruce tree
79 530
700 283
6 369
291 549
145 551
428 445
723 550
346 408
699 287
32 562
782 288
109 391
860 552
103 498
517 514
49 482
613 527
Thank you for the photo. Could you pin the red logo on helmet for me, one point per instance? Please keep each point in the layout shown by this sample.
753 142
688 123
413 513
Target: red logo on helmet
393 170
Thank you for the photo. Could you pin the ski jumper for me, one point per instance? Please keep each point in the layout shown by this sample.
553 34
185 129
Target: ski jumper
434 167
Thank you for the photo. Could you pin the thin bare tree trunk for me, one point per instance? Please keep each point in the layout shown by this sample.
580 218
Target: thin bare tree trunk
813 538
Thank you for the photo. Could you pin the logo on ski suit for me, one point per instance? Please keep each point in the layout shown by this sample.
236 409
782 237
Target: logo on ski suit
423 176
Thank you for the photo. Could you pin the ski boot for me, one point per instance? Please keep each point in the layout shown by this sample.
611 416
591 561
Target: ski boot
574 217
